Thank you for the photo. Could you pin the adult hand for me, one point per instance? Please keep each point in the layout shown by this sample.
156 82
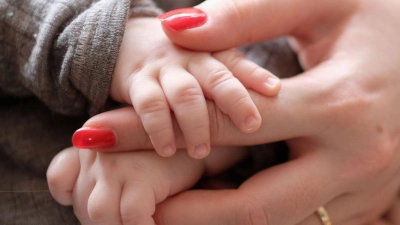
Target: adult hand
340 117
392 216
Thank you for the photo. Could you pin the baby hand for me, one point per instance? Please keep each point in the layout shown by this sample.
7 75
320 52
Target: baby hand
158 77
124 188
119 188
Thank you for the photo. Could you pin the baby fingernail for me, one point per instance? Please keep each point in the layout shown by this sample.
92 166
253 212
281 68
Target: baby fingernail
182 19
272 81
201 151
93 138
168 150
251 122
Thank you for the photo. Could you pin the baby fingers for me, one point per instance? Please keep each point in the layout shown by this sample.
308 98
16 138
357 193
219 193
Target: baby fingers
111 203
62 175
103 203
151 105
187 101
137 204
156 96
249 73
229 94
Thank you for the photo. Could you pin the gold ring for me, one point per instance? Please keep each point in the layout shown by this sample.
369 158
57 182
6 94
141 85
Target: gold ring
323 215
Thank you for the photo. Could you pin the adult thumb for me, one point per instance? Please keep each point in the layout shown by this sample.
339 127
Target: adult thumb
219 25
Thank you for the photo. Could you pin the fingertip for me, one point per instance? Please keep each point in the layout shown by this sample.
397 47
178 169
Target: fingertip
126 126
273 81
252 123
201 28
167 151
62 174
272 86
183 19
260 79
164 148
267 88
200 151
94 138
230 24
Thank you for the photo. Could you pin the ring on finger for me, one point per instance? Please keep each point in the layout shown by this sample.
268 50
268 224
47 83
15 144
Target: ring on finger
323 215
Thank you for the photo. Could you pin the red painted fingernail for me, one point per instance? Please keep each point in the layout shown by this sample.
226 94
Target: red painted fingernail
182 19
93 138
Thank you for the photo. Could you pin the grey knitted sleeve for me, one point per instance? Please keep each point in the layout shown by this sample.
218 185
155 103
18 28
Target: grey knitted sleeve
63 51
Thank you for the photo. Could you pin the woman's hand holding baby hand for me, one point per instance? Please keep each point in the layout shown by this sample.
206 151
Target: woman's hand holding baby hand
158 77
340 117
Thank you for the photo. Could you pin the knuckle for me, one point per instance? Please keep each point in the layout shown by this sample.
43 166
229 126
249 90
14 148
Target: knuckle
98 212
241 11
239 103
130 217
229 57
352 104
251 212
157 130
151 105
218 123
345 103
381 156
375 161
216 79
187 95
257 73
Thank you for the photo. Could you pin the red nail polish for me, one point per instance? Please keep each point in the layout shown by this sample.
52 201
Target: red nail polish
182 19
94 138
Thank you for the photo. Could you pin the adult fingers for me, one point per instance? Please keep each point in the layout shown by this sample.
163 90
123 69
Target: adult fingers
394 212
297 111
240 22
382 222
285 194
357 208
116 130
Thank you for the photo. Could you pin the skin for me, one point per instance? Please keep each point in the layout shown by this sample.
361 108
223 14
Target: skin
340 117
124 188
179 80
157 77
